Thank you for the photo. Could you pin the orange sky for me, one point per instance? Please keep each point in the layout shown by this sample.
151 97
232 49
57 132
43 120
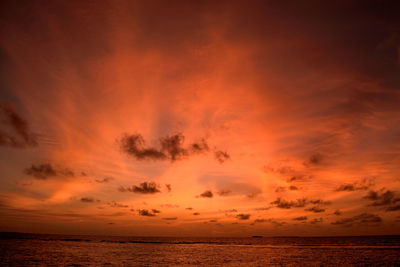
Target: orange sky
263 118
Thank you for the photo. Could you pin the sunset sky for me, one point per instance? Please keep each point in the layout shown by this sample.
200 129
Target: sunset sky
200 118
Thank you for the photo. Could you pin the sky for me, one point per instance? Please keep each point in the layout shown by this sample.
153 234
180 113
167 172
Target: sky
200 118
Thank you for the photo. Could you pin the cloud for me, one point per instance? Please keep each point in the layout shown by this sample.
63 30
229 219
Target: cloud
283 204
168 186
393 208
263 208
170 218
133 146
242 216
299 177
87 199
117 205
315 209
199 147
196 213
359 185
272 221
45 170
301 218
171 148
299 203
315 159
364 218
189 208
206 194
145 212
316 220
155 211
337 212
222 156
231 210
283 189
383 198
104 180
21 135
143 188
319 202
280 189
224 192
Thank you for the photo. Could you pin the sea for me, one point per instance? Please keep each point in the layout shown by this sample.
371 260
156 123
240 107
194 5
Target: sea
18 249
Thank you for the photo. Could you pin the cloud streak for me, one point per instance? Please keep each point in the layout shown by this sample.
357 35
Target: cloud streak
46 170
20 135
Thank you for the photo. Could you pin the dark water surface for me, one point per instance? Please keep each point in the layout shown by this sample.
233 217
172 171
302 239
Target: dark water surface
72 250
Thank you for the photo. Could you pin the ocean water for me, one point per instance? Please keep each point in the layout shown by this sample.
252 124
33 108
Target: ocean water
72 250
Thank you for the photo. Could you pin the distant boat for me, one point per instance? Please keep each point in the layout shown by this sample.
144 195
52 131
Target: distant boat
257 236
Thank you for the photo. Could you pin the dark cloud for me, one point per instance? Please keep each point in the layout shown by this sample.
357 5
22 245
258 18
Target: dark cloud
384 198
263 208
299 203
171 148
143 188
393 208
337 212
298 178
170 218
155 211
104 180
316 220
283 204
21 135
213 221
315 209
168 186
206 194
196 213
145 212
222 156
87 199
364 218
189 208
301 218
319 202
359 185
224 192
117 205
315 159
45 170
242 216
199 147
283 189
133 145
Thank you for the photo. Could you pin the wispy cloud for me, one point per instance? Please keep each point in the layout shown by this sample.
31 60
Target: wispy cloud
364 218
19 134
46 170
